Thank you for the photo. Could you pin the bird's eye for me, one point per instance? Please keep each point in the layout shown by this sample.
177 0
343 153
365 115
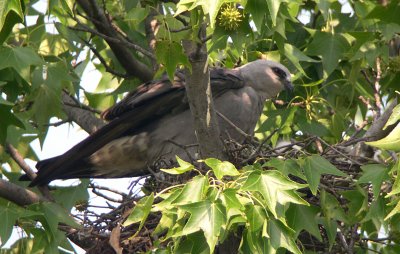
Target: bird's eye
279 72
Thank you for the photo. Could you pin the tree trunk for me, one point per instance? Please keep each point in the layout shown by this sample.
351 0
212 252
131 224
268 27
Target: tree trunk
201 103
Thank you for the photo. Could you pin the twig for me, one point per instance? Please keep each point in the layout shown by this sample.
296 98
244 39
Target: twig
98 193
93 186
240 131
103 61
258 149
10 149
122 42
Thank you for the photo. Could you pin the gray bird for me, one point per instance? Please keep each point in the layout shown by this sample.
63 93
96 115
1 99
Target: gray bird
154 122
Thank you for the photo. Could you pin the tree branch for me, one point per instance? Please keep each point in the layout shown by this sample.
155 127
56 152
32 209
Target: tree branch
132 66
200 101
18 194
84 118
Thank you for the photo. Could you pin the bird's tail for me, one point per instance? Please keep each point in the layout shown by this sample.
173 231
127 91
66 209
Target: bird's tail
47 173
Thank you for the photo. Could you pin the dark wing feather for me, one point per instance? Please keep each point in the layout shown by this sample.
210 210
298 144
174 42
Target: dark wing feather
55 168
149 102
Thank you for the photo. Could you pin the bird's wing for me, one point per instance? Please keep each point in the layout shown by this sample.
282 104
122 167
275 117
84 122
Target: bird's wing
221 80
148 103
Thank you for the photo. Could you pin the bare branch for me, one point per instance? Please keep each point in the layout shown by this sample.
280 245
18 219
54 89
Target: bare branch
10 149
17 194
103 61
132 66
85 119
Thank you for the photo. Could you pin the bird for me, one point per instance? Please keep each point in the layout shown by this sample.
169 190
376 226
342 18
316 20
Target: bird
154 122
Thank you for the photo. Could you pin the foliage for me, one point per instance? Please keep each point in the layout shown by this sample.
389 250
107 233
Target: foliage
324 185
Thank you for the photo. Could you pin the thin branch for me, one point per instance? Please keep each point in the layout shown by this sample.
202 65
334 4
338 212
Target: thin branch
113 39
10 149
377 87
98 193
103 61
122 52
95 186
240 131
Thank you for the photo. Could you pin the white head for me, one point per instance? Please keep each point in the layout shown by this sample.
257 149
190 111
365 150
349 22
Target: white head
268 78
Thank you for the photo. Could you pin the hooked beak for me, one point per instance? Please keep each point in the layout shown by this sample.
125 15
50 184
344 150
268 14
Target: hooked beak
288 86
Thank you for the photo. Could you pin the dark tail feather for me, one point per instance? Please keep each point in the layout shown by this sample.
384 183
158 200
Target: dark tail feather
47 173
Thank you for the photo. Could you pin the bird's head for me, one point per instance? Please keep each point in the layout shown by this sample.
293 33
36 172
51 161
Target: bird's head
267 77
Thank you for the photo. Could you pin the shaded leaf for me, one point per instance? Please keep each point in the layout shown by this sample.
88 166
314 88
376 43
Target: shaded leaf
374 174
170 54
330 47
300 217
314 166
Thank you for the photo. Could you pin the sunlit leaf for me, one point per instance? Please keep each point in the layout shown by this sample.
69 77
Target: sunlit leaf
207 216
140 212
390 142
221 168
183 167
275 188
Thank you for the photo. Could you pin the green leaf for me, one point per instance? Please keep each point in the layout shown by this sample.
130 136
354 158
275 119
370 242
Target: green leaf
394 211
276 189
296 56
286 167
209 7
390 142
68 197
210 217
11 12
376 213
221 168
255 217
183 167
7 118
357 205
374 174
53 214
166 222
170 54
140 212
282 236
193 243
330 47
273 8
396 185
257 10
331 207
18 58
300 217
9 213
193 191
394 117
314 166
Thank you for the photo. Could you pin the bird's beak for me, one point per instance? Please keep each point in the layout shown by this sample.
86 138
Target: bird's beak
288 86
